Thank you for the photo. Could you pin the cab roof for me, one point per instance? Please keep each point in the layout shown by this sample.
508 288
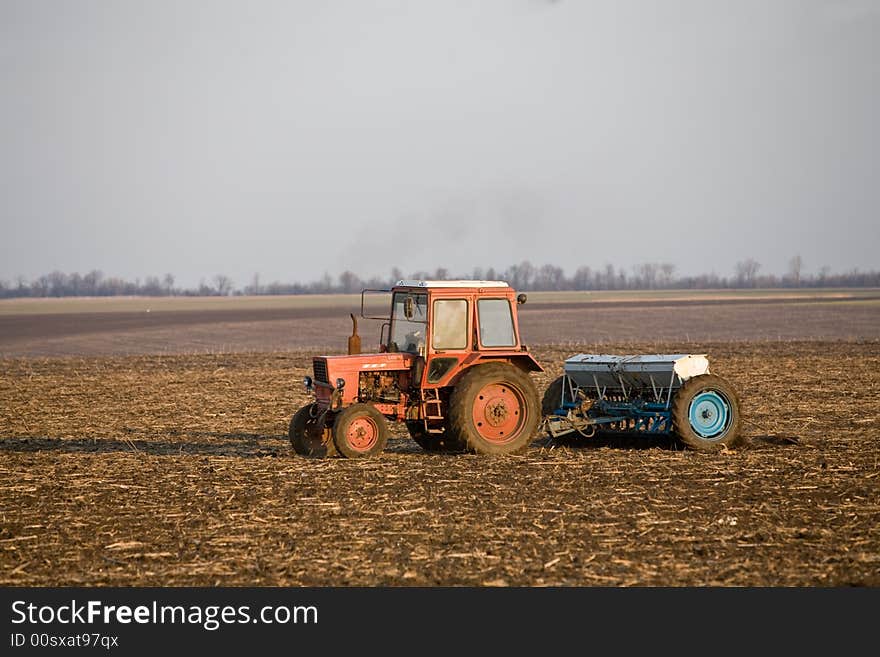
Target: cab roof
458 283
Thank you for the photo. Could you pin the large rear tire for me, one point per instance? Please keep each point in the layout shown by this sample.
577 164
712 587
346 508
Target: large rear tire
309 435
435 443
706 415
360 431
494 409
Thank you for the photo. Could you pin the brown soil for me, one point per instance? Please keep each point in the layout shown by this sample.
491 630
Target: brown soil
175 470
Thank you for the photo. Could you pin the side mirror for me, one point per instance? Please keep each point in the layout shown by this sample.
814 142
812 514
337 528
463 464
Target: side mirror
409 307
521 298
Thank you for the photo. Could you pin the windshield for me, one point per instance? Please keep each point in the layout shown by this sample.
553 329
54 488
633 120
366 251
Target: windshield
408 333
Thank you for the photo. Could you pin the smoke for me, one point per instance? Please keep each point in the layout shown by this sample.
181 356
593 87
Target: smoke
488 227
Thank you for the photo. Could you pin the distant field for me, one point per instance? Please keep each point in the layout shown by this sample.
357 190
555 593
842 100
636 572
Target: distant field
118 326
164 304
353 301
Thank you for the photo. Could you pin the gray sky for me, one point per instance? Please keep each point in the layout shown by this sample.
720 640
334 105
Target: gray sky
292 138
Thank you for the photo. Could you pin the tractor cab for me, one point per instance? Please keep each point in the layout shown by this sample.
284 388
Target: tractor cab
452 324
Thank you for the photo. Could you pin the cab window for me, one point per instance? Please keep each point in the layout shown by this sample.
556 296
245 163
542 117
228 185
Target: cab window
496 323
409 316
449 324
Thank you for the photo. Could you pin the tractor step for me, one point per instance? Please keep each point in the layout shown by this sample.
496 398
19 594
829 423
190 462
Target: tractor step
432 405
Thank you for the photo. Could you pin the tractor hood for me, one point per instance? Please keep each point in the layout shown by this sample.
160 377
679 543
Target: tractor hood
329 368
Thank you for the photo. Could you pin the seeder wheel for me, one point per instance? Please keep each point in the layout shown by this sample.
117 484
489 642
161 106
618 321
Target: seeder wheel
706 414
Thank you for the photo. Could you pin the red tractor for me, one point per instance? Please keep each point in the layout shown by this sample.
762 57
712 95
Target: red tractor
450 365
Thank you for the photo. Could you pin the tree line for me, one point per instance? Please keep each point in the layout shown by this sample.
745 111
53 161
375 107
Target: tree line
522 276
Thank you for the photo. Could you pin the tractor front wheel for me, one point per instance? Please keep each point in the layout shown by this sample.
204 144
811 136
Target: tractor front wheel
360 431
309 435
494 409
705 413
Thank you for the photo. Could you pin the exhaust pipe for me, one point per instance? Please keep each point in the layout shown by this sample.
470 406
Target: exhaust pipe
354 342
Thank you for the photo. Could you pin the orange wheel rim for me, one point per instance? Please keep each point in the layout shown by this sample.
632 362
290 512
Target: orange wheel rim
362 434
499 413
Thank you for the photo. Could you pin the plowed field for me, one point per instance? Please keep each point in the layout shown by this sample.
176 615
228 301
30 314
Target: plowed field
175 469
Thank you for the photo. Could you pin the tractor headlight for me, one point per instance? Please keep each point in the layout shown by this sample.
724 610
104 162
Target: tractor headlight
340 383
307 382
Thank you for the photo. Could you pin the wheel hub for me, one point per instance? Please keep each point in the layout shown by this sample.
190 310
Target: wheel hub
362 434
709 415
498 412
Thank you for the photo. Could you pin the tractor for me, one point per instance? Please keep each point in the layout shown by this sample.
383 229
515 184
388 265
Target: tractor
451 365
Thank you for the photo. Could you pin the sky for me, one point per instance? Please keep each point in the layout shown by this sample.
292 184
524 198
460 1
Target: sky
294 138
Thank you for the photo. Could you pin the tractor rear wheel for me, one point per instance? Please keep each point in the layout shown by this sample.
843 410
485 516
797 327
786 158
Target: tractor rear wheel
309 435
360 431
494 409
706 415
433 442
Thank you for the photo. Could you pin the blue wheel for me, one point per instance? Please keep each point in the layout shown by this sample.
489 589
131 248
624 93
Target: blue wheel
705 413
709 414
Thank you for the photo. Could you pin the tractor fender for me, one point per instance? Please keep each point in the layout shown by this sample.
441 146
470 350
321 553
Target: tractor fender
526 362
523 361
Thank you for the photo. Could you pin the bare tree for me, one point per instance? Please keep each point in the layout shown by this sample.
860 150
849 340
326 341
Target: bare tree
349 282
746 270
581 278
549 277
646 274
610 281
91 282
254 287
520 276
795 265
223 285
667 271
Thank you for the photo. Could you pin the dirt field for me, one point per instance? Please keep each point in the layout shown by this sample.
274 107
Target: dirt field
139 453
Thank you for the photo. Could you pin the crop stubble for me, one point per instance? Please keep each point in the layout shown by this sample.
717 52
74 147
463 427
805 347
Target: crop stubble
175 470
